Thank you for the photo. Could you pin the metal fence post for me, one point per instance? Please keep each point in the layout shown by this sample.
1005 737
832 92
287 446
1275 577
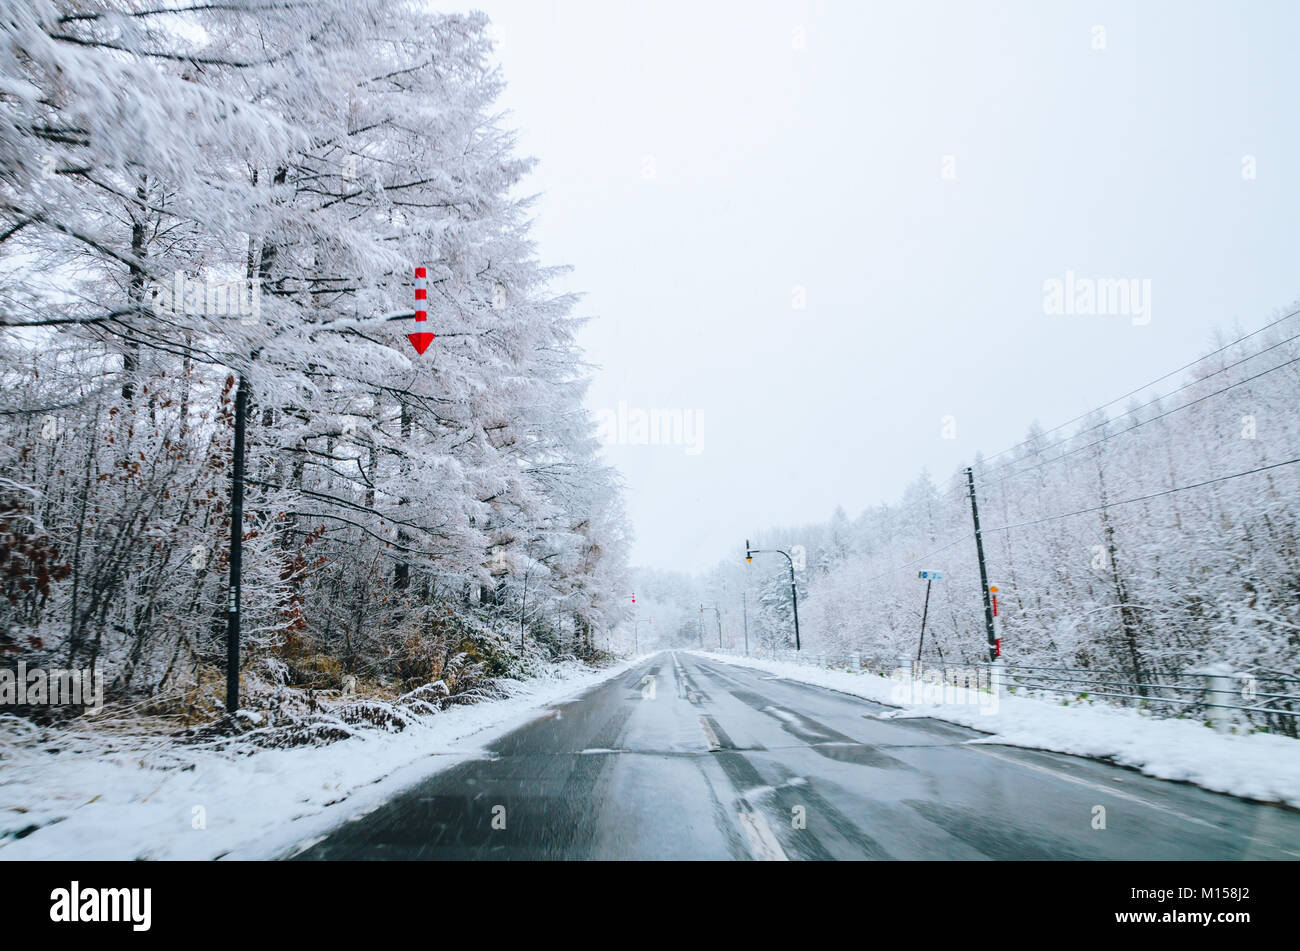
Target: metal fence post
1218 688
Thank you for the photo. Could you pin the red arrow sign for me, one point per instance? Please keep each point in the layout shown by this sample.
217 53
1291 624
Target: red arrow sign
420 341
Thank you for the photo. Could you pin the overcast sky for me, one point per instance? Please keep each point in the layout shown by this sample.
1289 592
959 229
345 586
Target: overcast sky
913 173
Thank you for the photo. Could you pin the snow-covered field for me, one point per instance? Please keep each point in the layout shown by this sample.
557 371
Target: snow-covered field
93 798
1256 766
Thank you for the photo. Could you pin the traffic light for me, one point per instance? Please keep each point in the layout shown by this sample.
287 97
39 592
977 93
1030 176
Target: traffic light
749 553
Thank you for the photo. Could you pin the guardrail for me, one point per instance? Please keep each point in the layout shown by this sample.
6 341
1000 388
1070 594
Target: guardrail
1223 697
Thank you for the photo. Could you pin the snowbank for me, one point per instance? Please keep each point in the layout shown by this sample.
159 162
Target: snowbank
90 796
1256 766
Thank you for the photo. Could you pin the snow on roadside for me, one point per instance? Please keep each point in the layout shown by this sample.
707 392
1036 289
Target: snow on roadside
96 799
1257 766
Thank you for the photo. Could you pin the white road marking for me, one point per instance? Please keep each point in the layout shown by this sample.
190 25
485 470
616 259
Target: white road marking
761 837
709 735
1106 790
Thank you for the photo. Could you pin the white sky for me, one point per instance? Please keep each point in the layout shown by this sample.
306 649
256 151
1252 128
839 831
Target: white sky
820 167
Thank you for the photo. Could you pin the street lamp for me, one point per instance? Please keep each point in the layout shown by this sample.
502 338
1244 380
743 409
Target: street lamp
794 592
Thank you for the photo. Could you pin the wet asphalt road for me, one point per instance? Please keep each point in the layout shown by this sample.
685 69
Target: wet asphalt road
684 757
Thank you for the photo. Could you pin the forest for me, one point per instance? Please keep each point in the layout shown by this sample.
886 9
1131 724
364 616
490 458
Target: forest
1155 535
230 202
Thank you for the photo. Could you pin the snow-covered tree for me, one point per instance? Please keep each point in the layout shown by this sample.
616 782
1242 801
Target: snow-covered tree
216 199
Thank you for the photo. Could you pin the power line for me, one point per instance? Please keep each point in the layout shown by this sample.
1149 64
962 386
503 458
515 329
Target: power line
925 557
1188 385
1142 498
1152 419
1001 475
1148 386
1095 508
956 491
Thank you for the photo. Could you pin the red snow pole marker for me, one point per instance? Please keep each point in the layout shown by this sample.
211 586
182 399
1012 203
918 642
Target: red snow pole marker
421 341
997 621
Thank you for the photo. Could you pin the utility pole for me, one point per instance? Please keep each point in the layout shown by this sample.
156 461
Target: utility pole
523 605
984 575
794 591
421 342
744 607
718 617
236 549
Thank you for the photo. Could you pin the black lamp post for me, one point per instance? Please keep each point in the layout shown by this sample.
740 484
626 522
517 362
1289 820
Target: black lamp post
794 592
